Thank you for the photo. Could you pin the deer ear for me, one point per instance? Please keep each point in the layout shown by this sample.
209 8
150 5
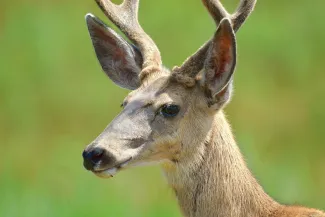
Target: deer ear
220 64
120 60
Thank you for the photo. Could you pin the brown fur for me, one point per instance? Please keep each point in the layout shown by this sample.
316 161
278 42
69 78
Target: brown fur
201 159
218 183
199 155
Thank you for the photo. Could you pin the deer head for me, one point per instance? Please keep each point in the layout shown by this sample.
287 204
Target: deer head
168 112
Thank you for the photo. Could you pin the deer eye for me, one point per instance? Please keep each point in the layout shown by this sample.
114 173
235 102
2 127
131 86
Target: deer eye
169 110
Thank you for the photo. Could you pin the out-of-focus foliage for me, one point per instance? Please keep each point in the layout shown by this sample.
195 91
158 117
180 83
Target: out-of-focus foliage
54 100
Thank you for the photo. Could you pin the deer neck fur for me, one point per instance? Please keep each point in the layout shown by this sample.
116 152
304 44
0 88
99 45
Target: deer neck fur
214 180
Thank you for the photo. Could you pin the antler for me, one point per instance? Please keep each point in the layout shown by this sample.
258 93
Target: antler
193 65
125 17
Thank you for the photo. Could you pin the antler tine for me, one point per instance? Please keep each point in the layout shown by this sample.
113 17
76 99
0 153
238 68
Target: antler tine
216 10
125 17
243 11
193 65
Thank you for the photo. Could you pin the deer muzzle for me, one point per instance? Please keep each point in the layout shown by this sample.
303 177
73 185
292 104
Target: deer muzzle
119 144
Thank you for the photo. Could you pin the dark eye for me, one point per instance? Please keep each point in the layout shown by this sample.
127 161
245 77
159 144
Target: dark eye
169 110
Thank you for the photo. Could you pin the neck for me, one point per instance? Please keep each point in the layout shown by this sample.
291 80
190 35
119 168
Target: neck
214 180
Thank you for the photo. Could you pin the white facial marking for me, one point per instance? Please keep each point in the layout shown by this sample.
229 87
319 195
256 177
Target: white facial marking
110 172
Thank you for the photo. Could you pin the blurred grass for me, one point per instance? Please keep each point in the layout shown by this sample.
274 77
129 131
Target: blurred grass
54 100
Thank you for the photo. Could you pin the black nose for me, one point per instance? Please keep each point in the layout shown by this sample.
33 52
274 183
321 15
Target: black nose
92 157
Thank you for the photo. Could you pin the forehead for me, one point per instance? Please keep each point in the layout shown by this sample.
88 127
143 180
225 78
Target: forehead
162 87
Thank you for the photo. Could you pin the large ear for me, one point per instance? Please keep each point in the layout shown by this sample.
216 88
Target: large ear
220 65
120 60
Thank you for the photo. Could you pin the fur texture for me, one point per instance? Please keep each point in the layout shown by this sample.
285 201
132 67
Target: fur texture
195 145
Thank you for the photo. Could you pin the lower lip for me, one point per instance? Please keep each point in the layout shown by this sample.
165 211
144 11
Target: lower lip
112 171
107 173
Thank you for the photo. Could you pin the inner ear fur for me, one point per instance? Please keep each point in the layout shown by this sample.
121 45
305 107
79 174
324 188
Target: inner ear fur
220 63
120 60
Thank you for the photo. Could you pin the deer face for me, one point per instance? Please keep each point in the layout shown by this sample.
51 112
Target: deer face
167 111
147 130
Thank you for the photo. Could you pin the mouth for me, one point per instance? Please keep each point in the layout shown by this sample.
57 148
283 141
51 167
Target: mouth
110 172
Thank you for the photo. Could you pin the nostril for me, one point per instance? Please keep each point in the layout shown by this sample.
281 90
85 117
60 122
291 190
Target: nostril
96 155
92 157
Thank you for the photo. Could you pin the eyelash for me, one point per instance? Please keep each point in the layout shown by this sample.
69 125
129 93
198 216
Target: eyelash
169 110
160 110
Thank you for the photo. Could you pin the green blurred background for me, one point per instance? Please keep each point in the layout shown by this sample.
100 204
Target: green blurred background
54 100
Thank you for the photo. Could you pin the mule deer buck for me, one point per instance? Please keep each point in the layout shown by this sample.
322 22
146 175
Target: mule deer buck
176 117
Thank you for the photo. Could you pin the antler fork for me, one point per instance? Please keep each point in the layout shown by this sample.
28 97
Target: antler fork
193 65
125 17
